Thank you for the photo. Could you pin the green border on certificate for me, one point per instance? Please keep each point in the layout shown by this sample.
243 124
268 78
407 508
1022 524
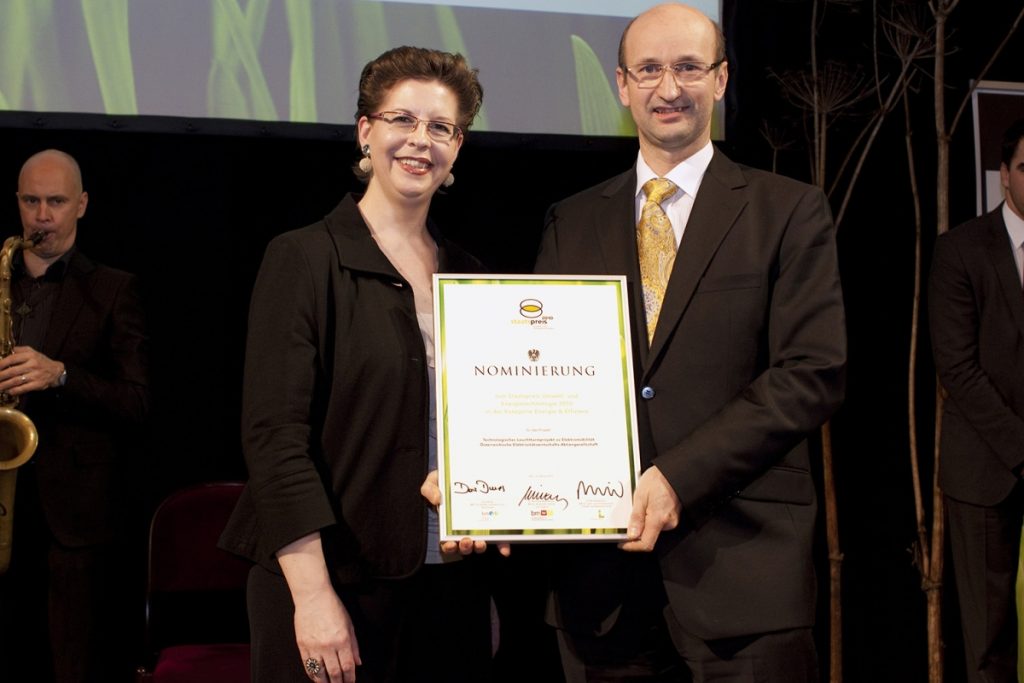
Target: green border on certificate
536 418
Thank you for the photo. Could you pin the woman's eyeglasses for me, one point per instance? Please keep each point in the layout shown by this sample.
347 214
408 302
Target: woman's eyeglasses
439 131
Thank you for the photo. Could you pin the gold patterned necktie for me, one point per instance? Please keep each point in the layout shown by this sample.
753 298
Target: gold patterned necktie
656 246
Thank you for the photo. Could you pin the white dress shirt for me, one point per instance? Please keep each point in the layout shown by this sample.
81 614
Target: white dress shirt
686 176
1015 228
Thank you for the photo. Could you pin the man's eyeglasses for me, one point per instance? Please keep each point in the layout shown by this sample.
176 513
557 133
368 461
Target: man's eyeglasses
649 74
439 131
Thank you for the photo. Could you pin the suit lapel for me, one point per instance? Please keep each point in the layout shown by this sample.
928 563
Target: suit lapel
618 247
69 302
1000 253
354 244
715 210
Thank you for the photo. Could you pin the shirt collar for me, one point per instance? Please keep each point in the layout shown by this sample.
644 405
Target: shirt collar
1014 226
54 273
686 175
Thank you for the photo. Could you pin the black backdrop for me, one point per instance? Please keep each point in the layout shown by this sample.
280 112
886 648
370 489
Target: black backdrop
189 205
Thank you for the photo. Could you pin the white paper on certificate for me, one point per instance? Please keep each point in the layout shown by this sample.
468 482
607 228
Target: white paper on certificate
537 436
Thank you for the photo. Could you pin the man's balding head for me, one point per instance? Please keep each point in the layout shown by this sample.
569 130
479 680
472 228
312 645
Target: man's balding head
669 10
55 158
51 200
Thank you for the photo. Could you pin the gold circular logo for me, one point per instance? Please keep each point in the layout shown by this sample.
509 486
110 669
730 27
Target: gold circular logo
530 308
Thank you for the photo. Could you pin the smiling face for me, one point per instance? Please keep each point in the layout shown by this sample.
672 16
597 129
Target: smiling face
673 121
1012 178
51 200
409 167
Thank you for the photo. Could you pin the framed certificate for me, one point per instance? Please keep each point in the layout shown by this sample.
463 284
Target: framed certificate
536 419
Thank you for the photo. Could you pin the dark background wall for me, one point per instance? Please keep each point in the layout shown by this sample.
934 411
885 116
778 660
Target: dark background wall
190 206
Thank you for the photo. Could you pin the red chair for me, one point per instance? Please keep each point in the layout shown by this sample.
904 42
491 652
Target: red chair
196 623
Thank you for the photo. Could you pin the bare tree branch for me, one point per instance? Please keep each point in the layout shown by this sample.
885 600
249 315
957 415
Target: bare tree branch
981 76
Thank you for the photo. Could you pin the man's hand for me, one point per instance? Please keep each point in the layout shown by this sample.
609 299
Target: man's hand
28 370
432 492
656 507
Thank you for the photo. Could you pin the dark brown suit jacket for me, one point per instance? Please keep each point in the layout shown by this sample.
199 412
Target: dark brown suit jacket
86 427
747 359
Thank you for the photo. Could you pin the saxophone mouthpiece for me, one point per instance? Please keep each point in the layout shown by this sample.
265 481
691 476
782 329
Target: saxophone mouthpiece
36 237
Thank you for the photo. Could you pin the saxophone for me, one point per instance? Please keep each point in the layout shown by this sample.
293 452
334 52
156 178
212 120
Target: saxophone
18 436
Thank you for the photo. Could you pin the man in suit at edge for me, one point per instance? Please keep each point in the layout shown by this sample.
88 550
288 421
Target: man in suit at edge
747 358
79 370
976 312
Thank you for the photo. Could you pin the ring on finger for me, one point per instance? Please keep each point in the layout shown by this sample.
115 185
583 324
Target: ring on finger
312 666
24 379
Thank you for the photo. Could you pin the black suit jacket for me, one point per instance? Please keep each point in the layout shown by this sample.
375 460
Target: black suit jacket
747 359
335 403
86 427
976 313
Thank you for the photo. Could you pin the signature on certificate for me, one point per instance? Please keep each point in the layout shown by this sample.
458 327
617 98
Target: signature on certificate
479 486
530 495
608 490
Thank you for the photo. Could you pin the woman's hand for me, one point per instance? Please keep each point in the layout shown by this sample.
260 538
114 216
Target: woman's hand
324 633
432 492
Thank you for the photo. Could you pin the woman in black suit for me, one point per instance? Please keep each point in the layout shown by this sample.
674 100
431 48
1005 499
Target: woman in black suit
338 405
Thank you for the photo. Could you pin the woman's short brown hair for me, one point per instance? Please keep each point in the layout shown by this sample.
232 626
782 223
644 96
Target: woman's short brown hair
420 64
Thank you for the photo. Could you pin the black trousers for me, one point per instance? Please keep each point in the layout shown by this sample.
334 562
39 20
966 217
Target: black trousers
646 643
783 657
527 647
407 629
69 615
986 547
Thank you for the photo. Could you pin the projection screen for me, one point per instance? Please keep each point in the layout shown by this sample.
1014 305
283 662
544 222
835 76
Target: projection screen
547 66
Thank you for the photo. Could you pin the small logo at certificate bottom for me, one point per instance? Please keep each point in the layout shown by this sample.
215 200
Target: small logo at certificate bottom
533 354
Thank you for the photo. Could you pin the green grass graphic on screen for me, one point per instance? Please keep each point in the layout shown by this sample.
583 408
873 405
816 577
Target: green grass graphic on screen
30 74
451 37
236 87
369 31
601 113
106 24
302 88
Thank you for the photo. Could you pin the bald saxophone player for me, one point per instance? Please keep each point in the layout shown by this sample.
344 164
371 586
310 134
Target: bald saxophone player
79 371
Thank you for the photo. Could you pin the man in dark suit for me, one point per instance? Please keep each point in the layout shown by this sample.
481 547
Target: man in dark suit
738 356
976 309
79 370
